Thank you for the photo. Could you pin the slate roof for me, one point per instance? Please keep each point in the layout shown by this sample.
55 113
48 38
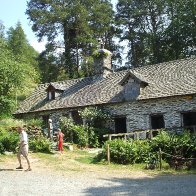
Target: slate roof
164 80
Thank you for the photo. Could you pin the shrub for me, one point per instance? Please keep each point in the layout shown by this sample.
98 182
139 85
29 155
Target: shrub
80 136
8 123
84 136
7 105
2 150
93 137
174 144
130 151
66 125
8 141
142 148
34 122
145 151
99 132
40 144
94 116
121 151
9 138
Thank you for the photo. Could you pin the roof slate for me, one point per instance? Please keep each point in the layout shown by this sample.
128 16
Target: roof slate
164 79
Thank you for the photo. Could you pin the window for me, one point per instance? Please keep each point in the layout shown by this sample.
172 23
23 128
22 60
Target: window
189 120
76 117
157 121
51 95
120 125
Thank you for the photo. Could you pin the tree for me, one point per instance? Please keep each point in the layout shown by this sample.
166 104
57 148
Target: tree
180 40
17 75
11 77
2 28
50 70
141 23
156 30
18 44
71 28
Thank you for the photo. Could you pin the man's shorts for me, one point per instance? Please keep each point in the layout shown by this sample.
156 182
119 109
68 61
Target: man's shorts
23 150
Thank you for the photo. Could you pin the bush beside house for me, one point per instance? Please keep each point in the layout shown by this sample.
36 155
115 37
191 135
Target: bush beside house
145 151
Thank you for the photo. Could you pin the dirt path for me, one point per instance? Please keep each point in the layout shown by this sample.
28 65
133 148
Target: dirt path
70 177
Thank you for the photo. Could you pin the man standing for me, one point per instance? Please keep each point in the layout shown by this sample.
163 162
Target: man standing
23 148
50 129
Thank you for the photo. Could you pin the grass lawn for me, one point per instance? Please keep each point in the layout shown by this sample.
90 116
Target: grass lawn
78 161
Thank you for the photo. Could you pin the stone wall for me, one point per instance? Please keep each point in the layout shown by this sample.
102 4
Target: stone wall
138 112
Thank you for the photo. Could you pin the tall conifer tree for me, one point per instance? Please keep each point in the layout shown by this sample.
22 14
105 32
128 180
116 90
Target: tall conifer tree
71 28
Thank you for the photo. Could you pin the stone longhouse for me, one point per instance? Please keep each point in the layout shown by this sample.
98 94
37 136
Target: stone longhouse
150 97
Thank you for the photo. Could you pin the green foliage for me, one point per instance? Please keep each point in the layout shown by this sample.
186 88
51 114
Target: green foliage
98 133
8 123
2 29
100 54
8 141
50 69
34 122
24 53
93 137
92 114
80 136
17 74
66 122
7 105
9 138
156 30
79 23
2 150
145 151
84 136
128 152
86 67
121 151
175 144
40 144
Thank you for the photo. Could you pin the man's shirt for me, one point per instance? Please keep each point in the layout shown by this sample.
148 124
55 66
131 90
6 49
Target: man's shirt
23 137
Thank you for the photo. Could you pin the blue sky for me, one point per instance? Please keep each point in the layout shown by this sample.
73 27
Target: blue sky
12 11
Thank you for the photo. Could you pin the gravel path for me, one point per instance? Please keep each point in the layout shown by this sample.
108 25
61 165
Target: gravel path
33 183
47 182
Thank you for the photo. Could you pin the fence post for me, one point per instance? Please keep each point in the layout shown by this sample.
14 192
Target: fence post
151 135
160 159
110 137
108 153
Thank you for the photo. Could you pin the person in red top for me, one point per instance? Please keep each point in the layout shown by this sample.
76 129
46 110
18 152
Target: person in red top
60 140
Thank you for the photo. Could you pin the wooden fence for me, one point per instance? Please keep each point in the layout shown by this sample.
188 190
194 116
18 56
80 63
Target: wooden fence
148 133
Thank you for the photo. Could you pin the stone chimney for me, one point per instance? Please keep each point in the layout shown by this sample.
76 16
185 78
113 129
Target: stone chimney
102 61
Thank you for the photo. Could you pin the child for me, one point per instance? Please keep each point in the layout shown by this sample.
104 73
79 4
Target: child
60 140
